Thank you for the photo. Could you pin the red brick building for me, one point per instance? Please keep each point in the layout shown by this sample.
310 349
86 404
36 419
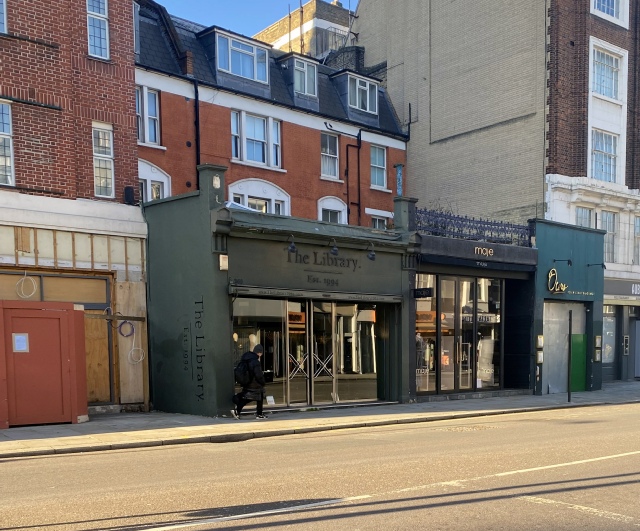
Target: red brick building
68 177
299 139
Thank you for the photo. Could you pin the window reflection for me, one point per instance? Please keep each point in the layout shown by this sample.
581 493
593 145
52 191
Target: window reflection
460 320
325 352
426 335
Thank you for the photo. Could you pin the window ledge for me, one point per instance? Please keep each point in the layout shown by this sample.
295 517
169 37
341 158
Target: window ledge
380 189
607 98
372 113
152 146
255 80
618 21
331 179
306 96
106 60
261 166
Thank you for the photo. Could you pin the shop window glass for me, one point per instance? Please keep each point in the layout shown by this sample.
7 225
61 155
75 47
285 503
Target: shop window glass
488 332
262 321
426 333
608 335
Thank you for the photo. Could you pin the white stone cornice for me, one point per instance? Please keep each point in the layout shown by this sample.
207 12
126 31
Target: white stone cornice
95 217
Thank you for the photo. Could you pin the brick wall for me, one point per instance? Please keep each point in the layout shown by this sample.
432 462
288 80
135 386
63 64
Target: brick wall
571 25
57 90
300 158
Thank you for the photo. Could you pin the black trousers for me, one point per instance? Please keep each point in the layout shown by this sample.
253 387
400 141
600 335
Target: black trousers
240 401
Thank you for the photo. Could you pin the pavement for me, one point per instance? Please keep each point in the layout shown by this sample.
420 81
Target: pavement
139 430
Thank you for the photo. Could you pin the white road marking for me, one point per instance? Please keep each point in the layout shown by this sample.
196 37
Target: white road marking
457 483
589 510
560 465
258 514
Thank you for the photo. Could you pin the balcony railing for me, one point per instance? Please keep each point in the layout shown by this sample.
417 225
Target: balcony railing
438 223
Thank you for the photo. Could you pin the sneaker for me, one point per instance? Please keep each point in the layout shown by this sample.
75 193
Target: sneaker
261 417
234 413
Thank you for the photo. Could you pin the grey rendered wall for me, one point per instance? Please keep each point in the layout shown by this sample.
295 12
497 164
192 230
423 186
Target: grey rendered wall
474 74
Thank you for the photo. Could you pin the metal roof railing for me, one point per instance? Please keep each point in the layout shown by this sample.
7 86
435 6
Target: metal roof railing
437 223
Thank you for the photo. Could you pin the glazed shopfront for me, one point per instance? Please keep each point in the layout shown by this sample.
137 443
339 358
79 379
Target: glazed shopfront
472 308
325 301
621 330
325 314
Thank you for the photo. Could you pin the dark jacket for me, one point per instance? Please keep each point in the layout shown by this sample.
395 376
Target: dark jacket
255 370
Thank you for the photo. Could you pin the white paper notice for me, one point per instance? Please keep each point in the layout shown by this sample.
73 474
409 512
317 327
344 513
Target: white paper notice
21 342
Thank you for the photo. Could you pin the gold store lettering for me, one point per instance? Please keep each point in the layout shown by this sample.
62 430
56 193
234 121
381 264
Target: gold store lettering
483 251
553 285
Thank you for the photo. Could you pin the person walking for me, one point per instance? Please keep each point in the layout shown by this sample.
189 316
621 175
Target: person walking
254 390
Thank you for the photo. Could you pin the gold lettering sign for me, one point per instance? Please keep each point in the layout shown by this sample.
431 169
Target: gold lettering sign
483 251
553 285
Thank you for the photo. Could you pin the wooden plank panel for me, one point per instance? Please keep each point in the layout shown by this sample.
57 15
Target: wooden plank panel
134 374
11 284
79 290
96 333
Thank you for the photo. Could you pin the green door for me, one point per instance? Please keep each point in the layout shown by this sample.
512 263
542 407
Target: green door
578 362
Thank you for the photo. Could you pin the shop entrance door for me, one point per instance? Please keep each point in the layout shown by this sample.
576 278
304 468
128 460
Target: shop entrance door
331 353
312 350
457 360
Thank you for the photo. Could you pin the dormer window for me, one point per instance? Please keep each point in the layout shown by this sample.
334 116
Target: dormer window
363 95
242 59
305 78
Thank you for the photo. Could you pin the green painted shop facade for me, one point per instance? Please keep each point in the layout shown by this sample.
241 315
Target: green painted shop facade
568 308
339 309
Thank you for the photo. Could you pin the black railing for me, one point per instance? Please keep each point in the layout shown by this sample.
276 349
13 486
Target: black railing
438 223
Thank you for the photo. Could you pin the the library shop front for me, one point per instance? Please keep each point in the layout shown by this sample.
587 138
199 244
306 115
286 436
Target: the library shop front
324 300
320 348
473 301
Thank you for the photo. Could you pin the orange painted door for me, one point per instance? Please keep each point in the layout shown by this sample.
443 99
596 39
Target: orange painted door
38 366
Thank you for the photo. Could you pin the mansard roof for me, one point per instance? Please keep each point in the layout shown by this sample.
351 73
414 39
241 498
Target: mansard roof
182 48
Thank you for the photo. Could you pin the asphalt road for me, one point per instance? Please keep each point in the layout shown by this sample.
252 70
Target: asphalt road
576 469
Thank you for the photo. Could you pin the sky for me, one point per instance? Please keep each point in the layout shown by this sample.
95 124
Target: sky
246 17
